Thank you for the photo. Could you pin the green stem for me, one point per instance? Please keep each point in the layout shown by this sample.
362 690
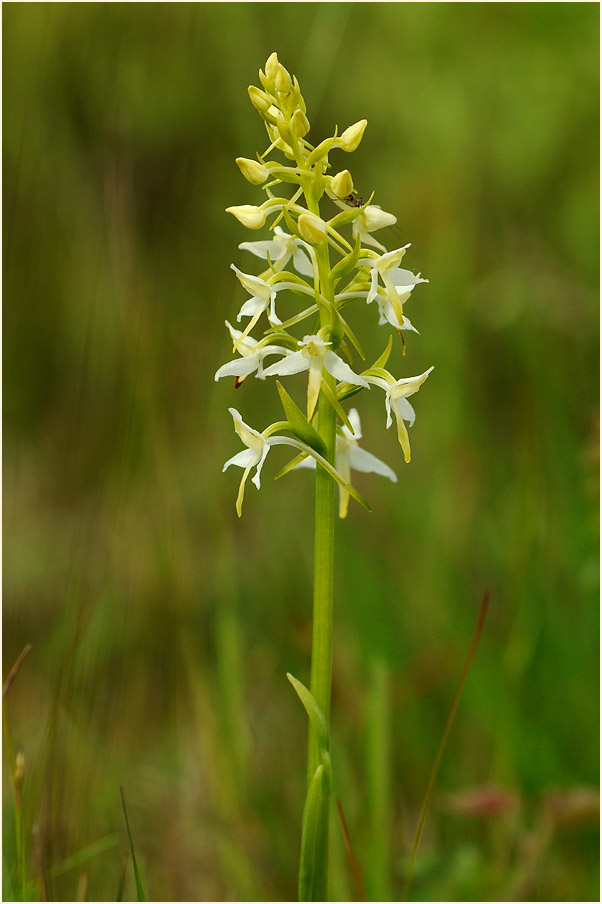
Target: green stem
321 654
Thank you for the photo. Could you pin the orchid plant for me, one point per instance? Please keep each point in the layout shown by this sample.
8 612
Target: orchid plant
312 261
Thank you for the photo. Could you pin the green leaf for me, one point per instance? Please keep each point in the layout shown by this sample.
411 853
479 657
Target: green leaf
314 712
346 390
381 362
352 337
292 464
139 886
298 422
285 441
287 276
331 396
347 263
313 866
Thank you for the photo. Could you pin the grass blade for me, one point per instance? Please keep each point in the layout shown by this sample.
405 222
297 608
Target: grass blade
139 886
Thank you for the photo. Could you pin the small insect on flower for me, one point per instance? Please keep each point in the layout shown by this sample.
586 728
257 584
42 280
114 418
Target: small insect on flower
353 201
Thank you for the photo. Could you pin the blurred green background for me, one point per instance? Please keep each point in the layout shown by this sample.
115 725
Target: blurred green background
161 625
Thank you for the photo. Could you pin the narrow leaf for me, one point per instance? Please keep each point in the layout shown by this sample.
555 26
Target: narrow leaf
347 263
284 441
331 396
139 886
346 390
292 464
298 422
382 361
313 711
351 336
313 866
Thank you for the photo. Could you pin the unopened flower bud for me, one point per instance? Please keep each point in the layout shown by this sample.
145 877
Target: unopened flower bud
374 218
259 99
252 170
312 228
250 216
271 66
299 124
282 80
342 184
352 136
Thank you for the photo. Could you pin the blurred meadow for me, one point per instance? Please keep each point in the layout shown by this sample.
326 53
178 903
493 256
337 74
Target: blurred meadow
161 625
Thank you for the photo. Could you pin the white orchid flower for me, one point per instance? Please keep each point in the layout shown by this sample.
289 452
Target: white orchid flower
369 220
251 457
313 356
398 285
280 250
263 296
349 456
258 445
252 354
396 398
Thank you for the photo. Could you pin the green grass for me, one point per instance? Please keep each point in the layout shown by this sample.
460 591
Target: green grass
162 627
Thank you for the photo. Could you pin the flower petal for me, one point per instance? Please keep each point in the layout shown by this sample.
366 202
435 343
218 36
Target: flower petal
243 459
292 364
341 371
241 367
360 460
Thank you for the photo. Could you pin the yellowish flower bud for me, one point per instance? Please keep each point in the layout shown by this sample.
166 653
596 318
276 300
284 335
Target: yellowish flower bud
312 228
271 66
252 170
342 184
250 216
299 124
283 80
352 136
259 99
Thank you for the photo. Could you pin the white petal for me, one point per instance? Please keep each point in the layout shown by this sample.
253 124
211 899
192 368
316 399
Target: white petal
241 367
404 280
341 371
252 306
241 459
260 249
250 437
374 286
406 411
354 420
302 265
361 460
256 479
292 364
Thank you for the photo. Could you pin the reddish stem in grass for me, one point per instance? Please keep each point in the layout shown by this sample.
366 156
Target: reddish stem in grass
350 853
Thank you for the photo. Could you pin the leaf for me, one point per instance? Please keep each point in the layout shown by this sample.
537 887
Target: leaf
292 465
382 361
139 886
347 263
346 390
285 441
314 712
331 396
352 337
313 866
298 422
